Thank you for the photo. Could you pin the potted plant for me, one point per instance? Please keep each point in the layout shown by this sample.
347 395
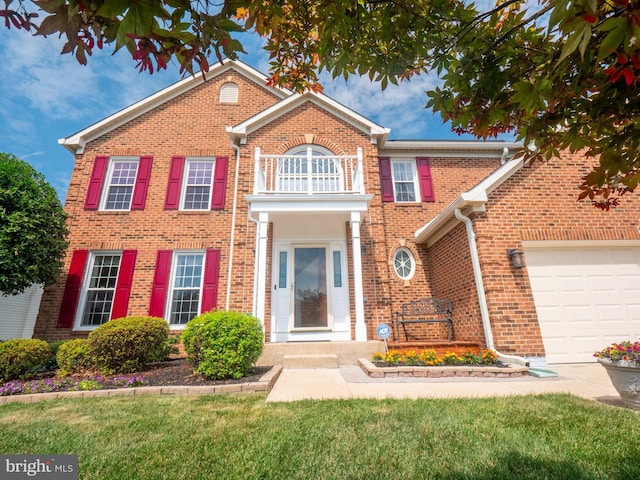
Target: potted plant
622 363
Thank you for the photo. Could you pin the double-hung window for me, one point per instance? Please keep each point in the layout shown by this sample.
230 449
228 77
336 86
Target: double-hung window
121 179
198 184
405 184
186 287
97 289
406 180
118 183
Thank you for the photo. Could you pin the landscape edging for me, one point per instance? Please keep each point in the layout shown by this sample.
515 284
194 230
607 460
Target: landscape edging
510 371
265 384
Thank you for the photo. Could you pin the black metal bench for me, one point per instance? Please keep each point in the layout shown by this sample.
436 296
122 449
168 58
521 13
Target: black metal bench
425 310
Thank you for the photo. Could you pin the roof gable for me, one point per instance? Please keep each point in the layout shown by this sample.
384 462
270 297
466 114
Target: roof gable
76 142
377 133
471 200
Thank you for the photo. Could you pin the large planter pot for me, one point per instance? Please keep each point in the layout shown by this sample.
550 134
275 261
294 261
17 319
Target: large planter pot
625 379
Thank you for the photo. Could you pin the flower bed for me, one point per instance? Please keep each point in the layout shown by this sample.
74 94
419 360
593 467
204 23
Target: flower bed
70 384
428 364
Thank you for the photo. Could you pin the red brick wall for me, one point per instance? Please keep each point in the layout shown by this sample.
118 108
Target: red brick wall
538 203
191 124
451 176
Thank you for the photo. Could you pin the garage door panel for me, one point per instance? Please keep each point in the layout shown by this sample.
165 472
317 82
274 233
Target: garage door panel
585 299
570 284
630 284
543 284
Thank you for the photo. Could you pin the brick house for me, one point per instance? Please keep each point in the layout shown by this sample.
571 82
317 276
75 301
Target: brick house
229 194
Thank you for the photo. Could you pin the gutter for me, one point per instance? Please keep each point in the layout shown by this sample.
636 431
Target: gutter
233 223
482 298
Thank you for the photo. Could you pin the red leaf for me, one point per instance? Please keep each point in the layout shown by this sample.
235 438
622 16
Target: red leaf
629 77
589 17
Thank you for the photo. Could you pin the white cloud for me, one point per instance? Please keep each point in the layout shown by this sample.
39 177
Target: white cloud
399 107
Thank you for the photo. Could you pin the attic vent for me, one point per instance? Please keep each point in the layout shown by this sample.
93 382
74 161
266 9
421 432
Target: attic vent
229 93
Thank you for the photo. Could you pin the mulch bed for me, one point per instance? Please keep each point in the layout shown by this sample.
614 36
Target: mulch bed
176 372
179 372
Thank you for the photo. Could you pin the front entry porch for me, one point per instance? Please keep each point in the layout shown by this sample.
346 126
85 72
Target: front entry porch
308 274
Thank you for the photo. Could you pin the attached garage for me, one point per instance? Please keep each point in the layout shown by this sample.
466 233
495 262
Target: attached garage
586 296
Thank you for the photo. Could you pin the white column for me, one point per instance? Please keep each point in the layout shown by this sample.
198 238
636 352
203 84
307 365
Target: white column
361 328
256 172
309 171
261 266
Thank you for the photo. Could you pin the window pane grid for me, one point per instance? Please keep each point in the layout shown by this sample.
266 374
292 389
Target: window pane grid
185 299
198 185
101 290
123 178
404 182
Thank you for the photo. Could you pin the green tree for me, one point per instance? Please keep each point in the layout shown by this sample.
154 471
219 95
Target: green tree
563 75
32 227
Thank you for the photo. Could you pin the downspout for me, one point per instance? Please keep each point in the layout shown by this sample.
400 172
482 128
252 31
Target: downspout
255 269
233 222
482 298
503 158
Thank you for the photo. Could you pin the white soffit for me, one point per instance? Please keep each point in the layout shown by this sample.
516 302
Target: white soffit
448 148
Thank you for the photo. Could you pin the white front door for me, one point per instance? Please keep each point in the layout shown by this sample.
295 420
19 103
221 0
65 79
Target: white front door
310 292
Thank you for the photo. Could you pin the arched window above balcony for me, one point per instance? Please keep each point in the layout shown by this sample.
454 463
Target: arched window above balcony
310 169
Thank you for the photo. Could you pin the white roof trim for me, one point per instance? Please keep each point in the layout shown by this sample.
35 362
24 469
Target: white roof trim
378 134
472 200
443 148
76 142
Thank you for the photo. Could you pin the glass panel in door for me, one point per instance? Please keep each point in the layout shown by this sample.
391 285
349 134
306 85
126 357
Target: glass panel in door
310 287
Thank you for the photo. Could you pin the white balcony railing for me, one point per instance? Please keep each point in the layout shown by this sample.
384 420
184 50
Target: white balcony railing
309 174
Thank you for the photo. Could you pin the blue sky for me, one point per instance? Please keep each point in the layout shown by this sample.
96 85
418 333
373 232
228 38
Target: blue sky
47 96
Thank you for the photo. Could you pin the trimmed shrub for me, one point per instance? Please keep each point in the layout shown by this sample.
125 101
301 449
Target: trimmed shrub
74 355
52 362
22 358
127 344
223 344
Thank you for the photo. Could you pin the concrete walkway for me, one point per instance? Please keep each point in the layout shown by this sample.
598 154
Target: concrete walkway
349 381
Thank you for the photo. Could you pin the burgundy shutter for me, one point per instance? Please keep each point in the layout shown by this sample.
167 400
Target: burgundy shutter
219 183
160 283
386 180
142 183
72 289
210 284
172 200
426 183
123 285
95 184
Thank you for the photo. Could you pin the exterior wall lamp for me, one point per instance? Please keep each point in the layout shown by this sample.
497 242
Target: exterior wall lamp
517 257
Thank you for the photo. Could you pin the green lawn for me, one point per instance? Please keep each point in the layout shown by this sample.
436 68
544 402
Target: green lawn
229 437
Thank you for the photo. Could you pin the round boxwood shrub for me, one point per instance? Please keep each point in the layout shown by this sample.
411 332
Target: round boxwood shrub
223 344
127 344
22 358
74 355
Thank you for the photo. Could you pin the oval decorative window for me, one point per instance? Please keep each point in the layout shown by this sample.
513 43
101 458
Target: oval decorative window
404 263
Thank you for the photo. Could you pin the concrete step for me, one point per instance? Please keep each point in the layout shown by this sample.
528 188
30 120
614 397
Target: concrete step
348 352
310 361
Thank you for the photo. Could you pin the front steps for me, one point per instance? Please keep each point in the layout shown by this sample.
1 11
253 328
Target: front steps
328 360
317 354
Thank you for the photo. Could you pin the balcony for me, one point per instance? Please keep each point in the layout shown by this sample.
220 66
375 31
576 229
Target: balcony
309 174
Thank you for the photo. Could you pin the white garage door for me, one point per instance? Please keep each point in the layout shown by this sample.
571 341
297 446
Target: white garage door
586 298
